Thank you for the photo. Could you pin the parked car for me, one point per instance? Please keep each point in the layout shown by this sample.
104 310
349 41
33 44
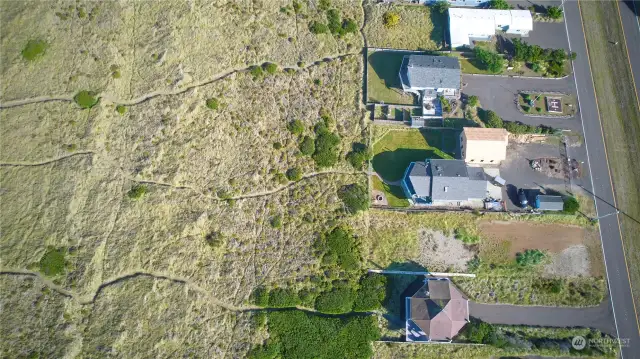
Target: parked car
522 198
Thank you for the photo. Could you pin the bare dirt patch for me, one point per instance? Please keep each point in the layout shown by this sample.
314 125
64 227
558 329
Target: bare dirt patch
441 252
571 262
520 235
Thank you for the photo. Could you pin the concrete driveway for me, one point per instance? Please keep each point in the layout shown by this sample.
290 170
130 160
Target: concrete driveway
600 317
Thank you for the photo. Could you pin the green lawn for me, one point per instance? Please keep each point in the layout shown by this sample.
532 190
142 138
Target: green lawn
398 148
620 118
394 194
383 79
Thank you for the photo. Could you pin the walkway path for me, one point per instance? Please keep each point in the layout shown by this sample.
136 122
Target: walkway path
600 317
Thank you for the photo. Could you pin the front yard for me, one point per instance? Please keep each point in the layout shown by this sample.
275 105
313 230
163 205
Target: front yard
396 149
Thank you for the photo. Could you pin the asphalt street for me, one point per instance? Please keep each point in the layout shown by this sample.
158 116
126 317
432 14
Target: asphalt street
630 16
616 269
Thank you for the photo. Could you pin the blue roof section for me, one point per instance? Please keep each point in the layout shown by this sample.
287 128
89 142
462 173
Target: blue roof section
407 180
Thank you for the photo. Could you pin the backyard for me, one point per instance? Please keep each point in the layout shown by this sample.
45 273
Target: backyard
383 79
394 195
396 149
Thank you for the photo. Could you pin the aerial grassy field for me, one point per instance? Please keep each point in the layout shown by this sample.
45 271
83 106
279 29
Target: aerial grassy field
620 118
418 27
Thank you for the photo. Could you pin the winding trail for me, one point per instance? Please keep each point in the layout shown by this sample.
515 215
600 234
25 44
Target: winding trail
45 162
165 92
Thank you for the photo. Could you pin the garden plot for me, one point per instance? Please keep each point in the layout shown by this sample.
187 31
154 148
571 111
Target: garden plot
547 104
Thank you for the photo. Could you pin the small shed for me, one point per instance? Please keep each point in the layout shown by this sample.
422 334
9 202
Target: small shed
549 203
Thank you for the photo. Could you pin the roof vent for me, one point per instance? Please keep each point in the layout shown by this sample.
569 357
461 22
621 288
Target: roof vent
446 188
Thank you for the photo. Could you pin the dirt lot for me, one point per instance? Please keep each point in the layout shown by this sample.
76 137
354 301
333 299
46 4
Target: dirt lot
441 252
573 250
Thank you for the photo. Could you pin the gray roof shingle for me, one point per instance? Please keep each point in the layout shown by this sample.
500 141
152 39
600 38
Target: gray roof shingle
425 71
451 180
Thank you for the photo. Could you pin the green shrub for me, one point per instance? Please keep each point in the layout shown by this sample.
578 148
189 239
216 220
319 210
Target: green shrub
116 74
86 99
554 12
34 49
441 6
214 239
260 296
538 109
390 19
371 293
256 71
296 127
354 197
317 82
359 155
276 221
283 298
480 332
530 257
277 145
492 61
349 26
499 4
337 301
294 174
121 109
53 262
493 120
473 100
548 285
305 335
571 205
526 108
339 247
270 67
270 350
466 237
318 28
213 103
326 148
307 146
334 23
474 264
137 191
324 5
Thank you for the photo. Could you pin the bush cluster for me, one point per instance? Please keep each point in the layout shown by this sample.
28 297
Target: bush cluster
335 24
390 19
296 127
491 119
86 99
34 49
307 146
339 300
530 257
441 6
499 4
339 248
491 60
326 146
536 55
355 198
53 262
359 155
294 174
466 237
137 191
554 12
571 205
472 101
283 298
213 103
371 294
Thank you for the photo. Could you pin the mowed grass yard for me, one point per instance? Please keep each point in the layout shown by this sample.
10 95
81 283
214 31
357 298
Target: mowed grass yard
396 149
394 194
620 118
418 29
383 78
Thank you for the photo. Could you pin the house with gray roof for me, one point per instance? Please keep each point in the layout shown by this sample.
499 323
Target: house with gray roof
439 182
425 72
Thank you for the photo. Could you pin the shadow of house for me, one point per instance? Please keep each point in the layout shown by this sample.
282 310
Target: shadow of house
386 65
440 33
400 286
391 165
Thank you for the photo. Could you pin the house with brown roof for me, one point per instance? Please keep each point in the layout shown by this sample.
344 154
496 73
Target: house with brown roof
484 146
436 312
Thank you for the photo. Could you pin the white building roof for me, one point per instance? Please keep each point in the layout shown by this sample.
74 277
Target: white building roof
483 23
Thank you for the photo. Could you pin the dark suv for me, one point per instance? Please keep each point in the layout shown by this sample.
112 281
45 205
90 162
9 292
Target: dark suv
522 198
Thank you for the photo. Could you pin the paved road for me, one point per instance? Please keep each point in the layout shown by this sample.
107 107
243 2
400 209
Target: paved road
591 317
617 275
630 15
